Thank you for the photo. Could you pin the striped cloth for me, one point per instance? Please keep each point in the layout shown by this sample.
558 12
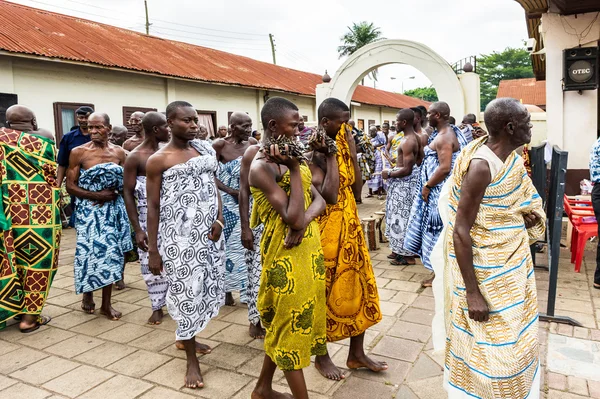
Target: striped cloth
497 358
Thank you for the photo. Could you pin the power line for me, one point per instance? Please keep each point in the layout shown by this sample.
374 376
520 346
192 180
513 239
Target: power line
218 41
204 34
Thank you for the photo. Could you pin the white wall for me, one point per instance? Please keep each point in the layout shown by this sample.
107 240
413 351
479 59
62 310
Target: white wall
572 117
378 114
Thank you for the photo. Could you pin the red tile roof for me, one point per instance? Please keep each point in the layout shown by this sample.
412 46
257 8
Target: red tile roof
28 30
529 91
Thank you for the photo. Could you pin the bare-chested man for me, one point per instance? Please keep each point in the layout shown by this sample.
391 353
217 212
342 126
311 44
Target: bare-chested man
420 132
229 153
402 183
425 223
156 131
184 207
95 177
135 124
118 135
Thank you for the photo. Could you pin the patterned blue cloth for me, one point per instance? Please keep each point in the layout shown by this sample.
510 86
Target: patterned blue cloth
236 271
425 223
376 181
103 234
595 162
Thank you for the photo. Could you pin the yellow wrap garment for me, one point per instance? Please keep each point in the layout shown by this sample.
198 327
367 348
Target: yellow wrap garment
352 297
291 297
499 357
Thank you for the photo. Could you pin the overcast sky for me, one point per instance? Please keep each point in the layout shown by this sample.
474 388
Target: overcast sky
308 32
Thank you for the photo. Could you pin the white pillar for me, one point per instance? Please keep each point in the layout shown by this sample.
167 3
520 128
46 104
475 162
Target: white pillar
322 92
470 83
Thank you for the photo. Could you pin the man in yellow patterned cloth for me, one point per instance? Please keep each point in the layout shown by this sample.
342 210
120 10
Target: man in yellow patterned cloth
352 297
491 212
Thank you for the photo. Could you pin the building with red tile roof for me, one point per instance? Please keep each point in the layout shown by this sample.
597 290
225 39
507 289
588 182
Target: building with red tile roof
528 91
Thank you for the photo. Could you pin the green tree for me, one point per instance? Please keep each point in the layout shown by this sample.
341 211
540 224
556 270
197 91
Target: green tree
359 35
512 63
424 93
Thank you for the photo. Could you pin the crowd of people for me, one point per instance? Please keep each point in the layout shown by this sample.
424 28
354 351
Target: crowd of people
275 218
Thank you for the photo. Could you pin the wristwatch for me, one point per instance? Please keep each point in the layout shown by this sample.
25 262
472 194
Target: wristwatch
428 186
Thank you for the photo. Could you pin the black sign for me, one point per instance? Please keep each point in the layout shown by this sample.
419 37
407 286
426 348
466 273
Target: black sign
581 68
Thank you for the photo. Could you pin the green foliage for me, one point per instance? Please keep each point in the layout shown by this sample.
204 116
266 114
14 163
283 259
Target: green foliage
424 93
359 35
512 63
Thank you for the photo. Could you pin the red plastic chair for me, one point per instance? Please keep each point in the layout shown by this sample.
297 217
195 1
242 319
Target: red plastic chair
582 232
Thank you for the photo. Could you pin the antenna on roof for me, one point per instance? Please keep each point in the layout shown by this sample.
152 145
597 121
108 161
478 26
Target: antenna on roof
272 39
147 21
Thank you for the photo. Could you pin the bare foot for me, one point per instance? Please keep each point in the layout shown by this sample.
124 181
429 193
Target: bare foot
327 369
428 282
193 376
111 313
269 394
257 331
87 303
229 299
120 285
156 317
365 362
202 349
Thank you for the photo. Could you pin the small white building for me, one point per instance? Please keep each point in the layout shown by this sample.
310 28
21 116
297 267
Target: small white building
54 63
572 116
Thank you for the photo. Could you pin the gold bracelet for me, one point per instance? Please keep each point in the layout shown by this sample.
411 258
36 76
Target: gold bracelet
221 223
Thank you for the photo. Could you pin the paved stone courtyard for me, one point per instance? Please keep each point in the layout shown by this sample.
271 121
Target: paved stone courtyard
87 356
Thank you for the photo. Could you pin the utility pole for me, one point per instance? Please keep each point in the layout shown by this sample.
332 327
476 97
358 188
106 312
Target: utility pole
147 21
273 48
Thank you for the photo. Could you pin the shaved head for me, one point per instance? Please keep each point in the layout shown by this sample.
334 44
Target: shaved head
104 116
137 114
239 118
406 114
19 113
152 119
469 119
502 112
118 135
442 107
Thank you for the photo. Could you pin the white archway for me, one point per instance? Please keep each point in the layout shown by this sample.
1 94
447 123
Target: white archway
385 52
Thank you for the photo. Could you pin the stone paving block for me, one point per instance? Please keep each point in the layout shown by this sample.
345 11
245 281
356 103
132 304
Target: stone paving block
424 302
573 356
595 335
234 334
163 393
65 299
139 363
315 381
429 388
383 325
69 320
74 346
171 374
54 311
172 351
24 391
105 354
138 316
565 329
577 385
382 281
254 365
219 384
398 348
574 305
400 285
419 277
125 308
96 326
5 382
395 374
130 295
18 359
427 292
6 347
586 319
213 327
63 282
118 387
246 392
385 294
125 333
552 394
424 368
389 308
405 393
404 297
43 371
594 387
45 337
570 293
419 316
78 381
398 275
238 316
230 356
355 387
412 331
581 332
155 341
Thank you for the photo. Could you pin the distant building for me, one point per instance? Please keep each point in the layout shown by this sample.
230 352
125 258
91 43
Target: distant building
528 91
54 63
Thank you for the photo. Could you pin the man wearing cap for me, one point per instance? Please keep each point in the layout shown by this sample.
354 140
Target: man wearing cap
76 137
